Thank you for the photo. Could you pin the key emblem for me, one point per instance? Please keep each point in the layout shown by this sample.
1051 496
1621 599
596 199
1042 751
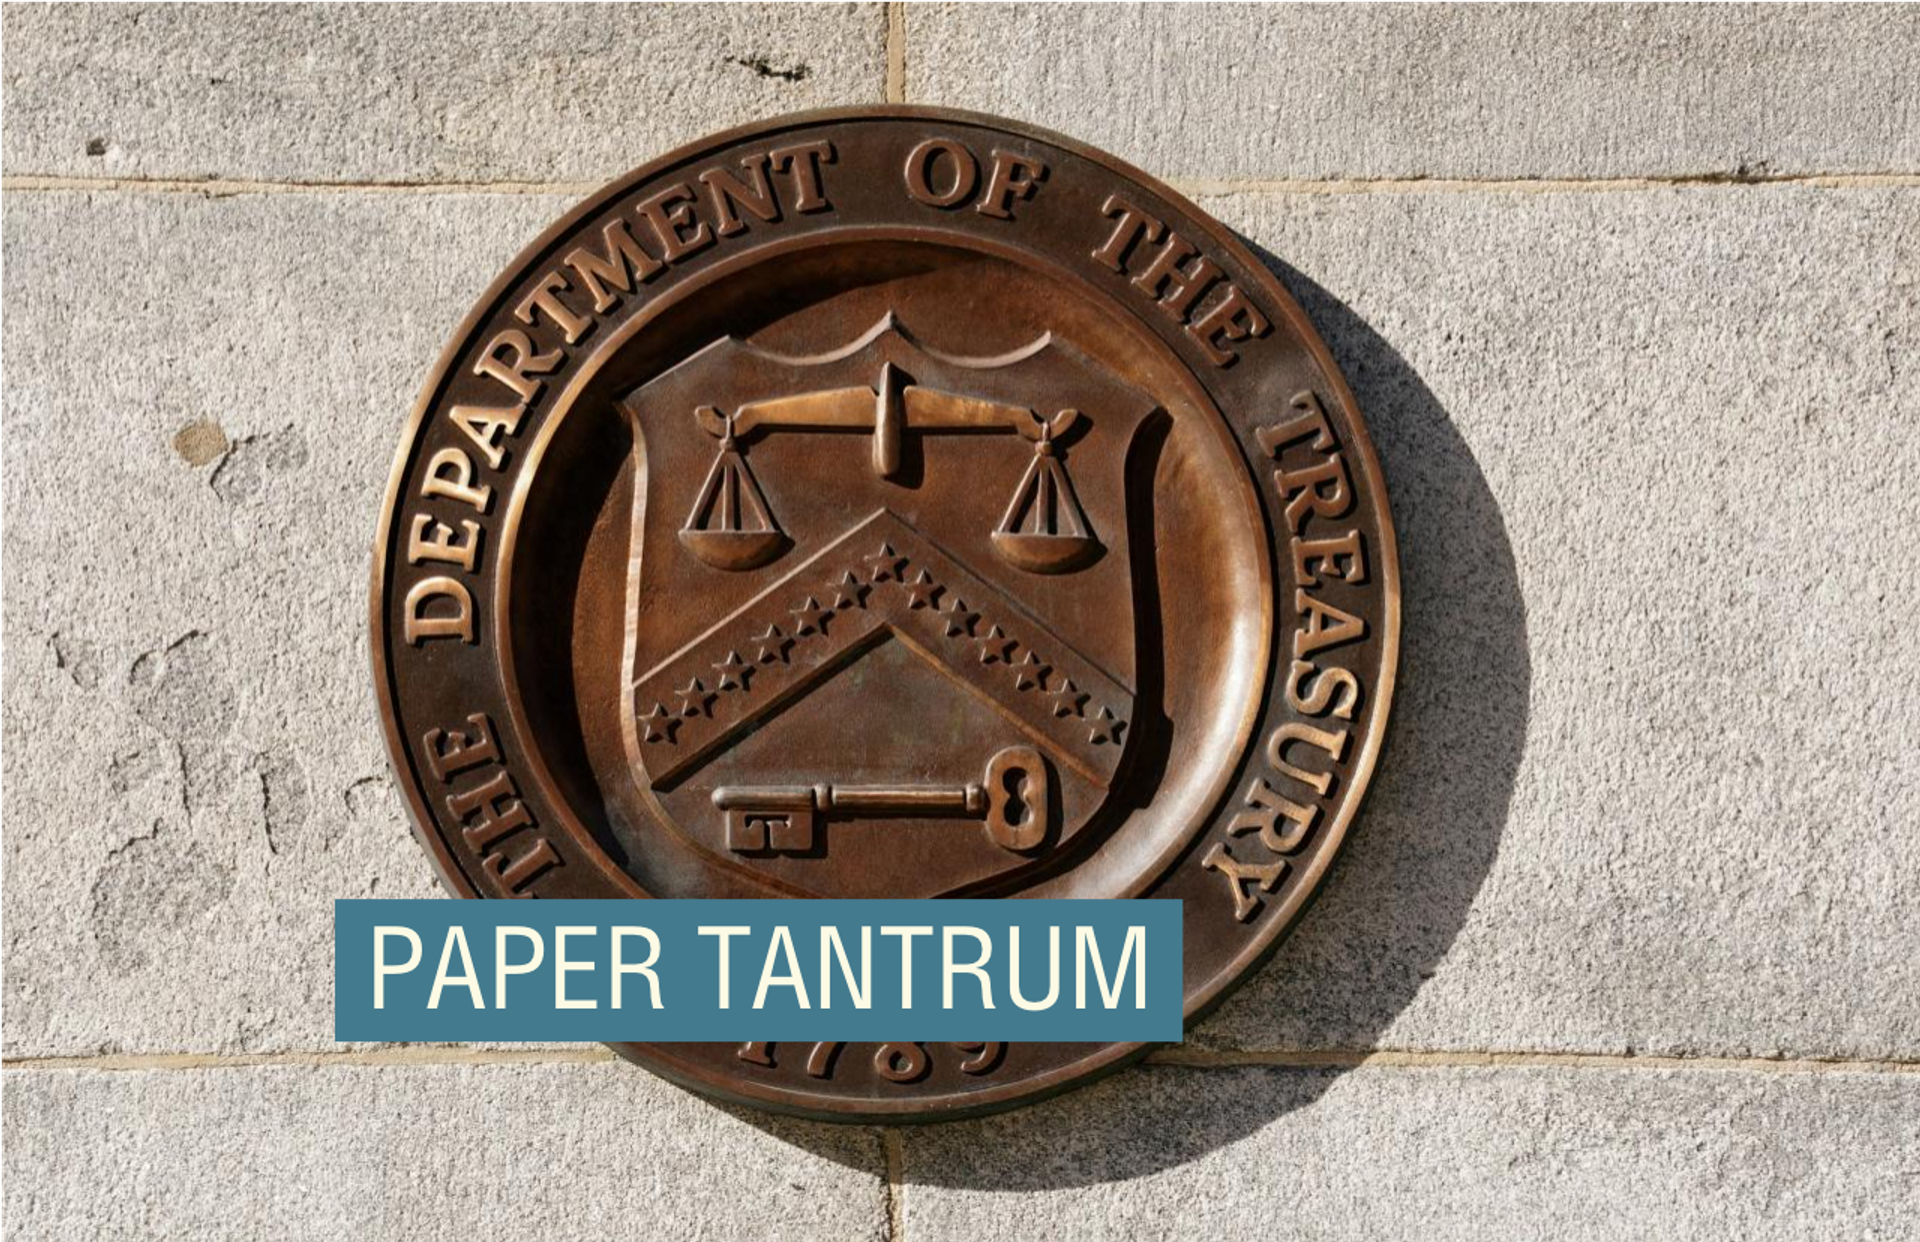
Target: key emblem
1011 800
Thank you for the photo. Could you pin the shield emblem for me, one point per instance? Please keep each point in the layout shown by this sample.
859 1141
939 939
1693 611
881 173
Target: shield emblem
881 633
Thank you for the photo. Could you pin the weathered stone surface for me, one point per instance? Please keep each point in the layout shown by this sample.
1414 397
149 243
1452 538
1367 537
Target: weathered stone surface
412 93
1651 783
193 769
1651 787
1432 1154
1650 779
1285 91
446 1152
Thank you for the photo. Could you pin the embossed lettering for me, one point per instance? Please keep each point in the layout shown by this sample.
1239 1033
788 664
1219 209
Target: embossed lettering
515 872
495 822
421 625
497 804
1233 317
957 166
1134 224
433 540
526 362
1327 683
450 477
621 262
670 211
1326 625
1178 278
1311 424
726 192
1175 282
450 753
1320 489
1334 744
1011 178
1264 809
944 172
1262 876
1329 553
897 1063
545 300
485 424
804 160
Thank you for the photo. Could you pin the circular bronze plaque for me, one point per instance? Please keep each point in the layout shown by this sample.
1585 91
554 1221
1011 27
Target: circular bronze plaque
889 502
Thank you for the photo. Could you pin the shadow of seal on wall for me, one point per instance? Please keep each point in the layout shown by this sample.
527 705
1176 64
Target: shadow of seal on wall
889 502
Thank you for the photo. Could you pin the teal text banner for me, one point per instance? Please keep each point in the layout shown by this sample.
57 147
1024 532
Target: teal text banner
884 970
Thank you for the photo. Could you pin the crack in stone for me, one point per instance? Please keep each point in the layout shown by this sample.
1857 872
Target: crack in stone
766 69
283 797
77 658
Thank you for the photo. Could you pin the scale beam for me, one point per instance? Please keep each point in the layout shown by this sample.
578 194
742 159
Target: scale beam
888 409
1044 530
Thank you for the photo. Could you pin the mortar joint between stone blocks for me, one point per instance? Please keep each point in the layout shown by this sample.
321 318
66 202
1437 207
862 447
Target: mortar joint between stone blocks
896 49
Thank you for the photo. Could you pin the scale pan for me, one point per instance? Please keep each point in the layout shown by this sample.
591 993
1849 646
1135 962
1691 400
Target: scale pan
735 549
1041 553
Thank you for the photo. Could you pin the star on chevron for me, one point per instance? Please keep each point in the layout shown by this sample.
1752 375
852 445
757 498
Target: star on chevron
849 592
660 724
1031 674
1067 698
995 647
959 619
810 617
733 672
774 645
922 591
694 699
887 565
1105 727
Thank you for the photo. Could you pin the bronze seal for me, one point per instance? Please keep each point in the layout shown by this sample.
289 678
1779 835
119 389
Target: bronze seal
889 502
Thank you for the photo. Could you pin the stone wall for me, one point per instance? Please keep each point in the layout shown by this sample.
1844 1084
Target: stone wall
1624 944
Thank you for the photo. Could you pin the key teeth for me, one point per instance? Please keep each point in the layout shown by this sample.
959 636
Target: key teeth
745 835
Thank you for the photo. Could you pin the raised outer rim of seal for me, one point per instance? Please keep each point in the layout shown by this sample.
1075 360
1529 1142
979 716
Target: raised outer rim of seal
1385 557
